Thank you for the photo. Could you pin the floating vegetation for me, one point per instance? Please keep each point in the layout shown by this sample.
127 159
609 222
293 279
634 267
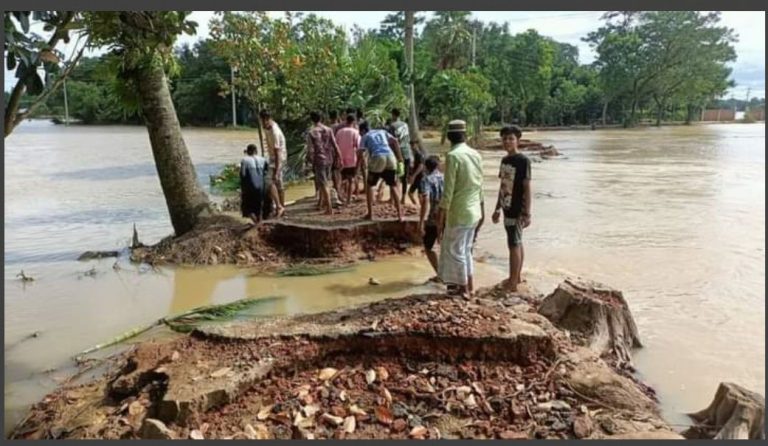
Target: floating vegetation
302 270
25 278
187 321
90 273
227 180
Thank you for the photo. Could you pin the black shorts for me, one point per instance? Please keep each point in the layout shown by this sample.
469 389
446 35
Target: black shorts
389 177
349 173
430 237
514 232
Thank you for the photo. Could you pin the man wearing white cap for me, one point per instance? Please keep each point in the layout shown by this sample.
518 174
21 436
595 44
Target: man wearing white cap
461 211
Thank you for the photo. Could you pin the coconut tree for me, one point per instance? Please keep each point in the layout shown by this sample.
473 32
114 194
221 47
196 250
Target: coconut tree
413 118
141 43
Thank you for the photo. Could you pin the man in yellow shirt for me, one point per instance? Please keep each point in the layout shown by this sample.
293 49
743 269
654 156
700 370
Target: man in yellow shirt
461 212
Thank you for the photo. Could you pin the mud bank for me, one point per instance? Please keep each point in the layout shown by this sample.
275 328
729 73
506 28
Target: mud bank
424 366
304 234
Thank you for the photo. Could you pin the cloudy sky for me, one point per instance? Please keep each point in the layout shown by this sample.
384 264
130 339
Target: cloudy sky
570 27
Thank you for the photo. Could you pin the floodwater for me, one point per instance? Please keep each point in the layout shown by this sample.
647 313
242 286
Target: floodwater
674 217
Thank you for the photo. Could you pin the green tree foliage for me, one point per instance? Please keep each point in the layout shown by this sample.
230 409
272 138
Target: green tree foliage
457 94
665 56
92 95
393 25
448 37
296 64
28 52
199 88
650 65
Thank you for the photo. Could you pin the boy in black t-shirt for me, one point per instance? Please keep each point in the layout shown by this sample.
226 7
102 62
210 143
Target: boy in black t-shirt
515 200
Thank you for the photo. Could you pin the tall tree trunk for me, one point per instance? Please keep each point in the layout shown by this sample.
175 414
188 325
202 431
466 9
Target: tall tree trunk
413 117
659 111
184 197
689 114
605 111
259 128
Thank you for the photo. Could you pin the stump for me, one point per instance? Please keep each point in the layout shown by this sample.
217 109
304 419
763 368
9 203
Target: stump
597 313
735 414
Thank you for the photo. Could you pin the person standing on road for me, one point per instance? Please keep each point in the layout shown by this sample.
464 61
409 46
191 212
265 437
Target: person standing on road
431 192
348 140
384 161
400 131
278 158
322 151
514 200
461 212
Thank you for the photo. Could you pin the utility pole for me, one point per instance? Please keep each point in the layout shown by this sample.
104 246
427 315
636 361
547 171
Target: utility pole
234 104
66 104
746 101
474 44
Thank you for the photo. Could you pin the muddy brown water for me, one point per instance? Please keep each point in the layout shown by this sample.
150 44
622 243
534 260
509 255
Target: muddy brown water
674 217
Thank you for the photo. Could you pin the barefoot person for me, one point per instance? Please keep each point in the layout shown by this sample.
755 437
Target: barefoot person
253 175
514 200
461 209
335 123
431 192
400 131
348 140
384 160
417 174
321 152
278 157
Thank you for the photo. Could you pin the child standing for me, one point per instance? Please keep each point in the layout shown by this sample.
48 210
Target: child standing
430 194
515 200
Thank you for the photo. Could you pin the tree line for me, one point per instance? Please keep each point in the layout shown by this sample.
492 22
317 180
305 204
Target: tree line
664 65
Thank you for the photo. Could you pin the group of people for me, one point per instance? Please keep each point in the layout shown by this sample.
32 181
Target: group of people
346 151
261 179
450 194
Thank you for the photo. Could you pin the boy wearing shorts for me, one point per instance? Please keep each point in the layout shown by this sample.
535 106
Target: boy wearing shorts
514 200
430 194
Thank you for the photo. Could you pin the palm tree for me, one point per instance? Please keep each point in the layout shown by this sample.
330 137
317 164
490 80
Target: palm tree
413 118
452 37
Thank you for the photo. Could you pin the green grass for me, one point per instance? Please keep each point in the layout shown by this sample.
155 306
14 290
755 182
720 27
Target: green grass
228 180
188 321
303 270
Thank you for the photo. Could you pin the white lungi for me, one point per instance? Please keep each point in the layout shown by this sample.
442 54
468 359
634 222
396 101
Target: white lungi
456 263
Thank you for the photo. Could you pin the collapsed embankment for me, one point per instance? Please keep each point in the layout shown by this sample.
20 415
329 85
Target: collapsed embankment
303 235
424 366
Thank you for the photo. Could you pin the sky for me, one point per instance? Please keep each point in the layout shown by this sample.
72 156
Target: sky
567 27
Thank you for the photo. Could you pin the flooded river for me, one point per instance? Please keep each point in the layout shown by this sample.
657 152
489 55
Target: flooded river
674 217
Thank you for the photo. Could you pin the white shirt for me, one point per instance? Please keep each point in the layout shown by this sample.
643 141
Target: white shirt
276 144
